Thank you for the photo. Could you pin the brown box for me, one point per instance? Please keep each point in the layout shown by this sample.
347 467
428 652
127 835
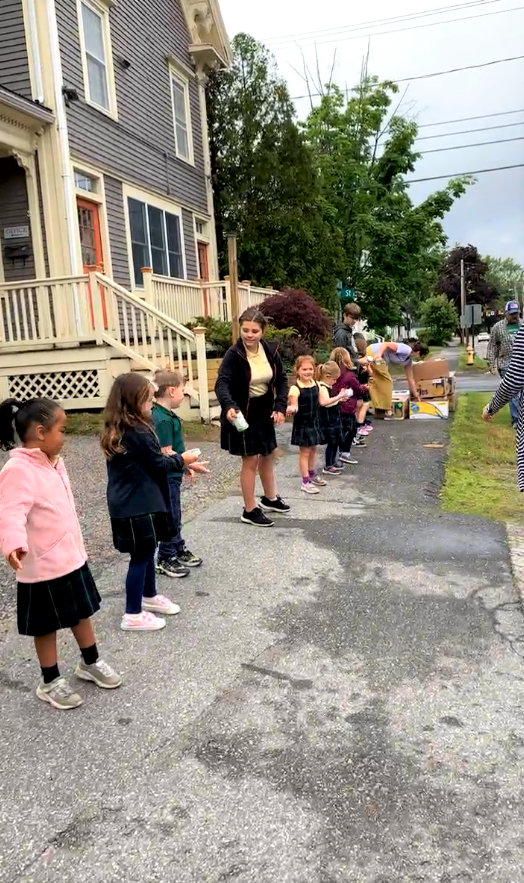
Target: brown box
400 405
433 369
438 388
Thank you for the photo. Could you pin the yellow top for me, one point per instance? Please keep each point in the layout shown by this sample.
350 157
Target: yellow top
295 389
261 373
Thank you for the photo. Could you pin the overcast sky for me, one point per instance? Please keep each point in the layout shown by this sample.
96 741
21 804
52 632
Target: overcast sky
491 215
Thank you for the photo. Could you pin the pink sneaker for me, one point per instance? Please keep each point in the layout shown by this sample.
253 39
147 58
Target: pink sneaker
141 622
160 604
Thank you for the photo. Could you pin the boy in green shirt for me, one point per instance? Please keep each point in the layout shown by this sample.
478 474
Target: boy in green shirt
174 559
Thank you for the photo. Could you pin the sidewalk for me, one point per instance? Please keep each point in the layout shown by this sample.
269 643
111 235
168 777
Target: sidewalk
340 700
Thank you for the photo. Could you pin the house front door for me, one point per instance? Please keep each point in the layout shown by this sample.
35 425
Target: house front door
203 264
91 246
90 237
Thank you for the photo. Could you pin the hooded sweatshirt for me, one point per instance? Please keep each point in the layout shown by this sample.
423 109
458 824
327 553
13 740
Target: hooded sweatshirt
38 515
348 380
343 336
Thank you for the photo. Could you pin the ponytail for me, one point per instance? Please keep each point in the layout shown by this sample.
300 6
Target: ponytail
18 417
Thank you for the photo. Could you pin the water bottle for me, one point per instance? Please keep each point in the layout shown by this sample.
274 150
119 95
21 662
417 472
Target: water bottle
240 423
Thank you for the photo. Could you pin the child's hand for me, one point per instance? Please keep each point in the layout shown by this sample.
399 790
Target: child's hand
16 558
190 457
290 410
199 467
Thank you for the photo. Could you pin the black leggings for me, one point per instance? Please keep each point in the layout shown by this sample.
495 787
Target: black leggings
349 431
331 454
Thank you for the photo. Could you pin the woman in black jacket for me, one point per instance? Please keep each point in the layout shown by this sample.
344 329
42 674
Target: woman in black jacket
251 383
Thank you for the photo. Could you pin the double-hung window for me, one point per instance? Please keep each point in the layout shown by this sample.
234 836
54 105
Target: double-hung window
156 240
96 56
181 118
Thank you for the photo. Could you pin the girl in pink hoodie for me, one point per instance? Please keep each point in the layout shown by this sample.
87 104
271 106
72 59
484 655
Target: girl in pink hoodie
41 539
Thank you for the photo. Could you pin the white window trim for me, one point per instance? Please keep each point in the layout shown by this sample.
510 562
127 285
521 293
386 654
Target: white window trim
157 202
182 80
100 198
101 8
202 237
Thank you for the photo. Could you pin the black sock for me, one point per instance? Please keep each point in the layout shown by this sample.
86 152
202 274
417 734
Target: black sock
50 674
89 654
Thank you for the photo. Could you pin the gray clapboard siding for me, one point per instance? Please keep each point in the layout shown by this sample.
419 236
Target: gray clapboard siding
117 231
188 227
139 147
14 209
14 64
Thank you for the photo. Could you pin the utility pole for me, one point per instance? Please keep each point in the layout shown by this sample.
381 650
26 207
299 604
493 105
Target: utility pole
233 282
463 301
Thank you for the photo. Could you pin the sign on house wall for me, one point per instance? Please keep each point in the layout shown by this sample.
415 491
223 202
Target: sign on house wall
20 232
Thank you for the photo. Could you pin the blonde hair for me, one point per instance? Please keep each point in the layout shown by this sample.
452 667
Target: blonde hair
341 357
302 361
164 379
328 371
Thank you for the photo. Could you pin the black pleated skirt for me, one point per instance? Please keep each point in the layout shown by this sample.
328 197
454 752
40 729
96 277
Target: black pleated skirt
330 425
259 438
56 604
141 534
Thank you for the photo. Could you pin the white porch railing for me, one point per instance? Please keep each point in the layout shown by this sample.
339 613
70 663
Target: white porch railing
251 296
94 309
45 311
185 301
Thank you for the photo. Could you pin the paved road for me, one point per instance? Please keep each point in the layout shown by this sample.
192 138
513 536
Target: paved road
339 702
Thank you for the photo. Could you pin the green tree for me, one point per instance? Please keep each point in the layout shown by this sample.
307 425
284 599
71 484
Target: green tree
506 276
265 182
391 248
440 319
479 289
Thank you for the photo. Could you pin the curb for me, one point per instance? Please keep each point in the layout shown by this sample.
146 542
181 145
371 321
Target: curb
515 534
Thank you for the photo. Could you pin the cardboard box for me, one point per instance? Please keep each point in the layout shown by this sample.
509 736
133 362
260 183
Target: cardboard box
439 388
433 369
438 409
400 405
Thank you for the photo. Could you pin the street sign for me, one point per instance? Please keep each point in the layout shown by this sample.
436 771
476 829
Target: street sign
471 316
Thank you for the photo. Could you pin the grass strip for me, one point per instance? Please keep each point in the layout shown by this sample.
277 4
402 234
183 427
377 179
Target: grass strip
481 472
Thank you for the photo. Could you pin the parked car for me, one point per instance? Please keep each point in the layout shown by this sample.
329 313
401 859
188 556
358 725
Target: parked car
483 337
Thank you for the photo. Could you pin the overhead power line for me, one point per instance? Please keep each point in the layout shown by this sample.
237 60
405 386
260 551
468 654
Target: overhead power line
470 131
483 116
433 24
376 22
462 174
477 144
453 70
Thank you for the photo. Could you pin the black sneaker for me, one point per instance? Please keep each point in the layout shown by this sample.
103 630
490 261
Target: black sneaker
188 559
360 442
278 506
257 518
172 568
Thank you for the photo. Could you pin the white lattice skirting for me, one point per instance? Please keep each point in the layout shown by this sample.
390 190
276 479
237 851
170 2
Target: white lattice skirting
60 385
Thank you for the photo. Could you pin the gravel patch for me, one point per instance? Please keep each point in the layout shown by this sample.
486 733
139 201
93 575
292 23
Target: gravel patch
87 471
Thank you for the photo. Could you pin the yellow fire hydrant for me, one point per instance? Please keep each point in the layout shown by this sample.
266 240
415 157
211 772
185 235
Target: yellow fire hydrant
471 356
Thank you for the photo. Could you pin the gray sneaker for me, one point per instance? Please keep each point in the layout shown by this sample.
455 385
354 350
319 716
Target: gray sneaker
59 694
100 673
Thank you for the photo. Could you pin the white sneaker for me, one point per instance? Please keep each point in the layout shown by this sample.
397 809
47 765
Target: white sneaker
160 604
310 488
141 622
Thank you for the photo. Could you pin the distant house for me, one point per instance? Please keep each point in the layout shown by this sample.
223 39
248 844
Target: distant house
104 170
103 140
